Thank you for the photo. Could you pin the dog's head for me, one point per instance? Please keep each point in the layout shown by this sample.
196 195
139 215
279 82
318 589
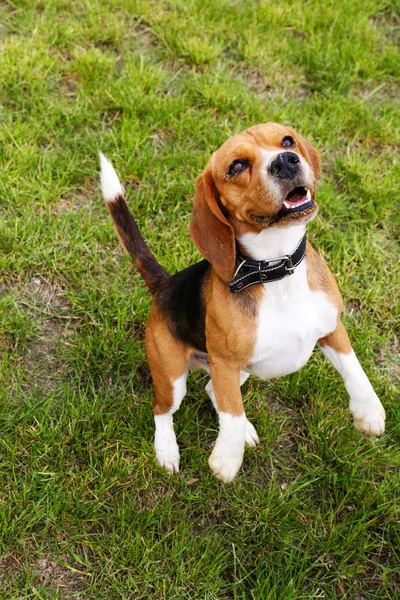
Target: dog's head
262 178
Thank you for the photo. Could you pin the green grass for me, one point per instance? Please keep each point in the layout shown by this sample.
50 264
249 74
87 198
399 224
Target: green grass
157 86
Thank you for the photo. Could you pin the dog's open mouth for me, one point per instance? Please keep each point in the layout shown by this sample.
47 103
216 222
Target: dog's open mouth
297 200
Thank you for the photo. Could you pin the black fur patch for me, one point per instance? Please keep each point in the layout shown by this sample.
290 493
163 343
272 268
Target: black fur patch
181 300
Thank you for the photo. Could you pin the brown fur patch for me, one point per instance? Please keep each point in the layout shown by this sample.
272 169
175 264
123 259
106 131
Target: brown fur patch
338 340
231 323
320 278
226 384
168 360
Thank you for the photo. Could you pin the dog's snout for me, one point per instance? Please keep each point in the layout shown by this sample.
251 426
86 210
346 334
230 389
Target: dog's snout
285 166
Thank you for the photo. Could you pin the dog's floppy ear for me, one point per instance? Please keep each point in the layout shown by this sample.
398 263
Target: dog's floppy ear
310 153
210 230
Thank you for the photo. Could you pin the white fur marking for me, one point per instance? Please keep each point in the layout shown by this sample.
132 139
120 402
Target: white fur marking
179 391
109 181
227 456
272 242
167 450
365 406
271 182
291 317
166 447
252 438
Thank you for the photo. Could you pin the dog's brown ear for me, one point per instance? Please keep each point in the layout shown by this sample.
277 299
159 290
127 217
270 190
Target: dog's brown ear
210 230
311 154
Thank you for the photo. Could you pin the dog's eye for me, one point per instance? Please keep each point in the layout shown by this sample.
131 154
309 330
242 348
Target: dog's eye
288 142
238 166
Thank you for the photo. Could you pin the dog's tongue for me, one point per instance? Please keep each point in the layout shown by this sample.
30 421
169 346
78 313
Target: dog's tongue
296 198
299 194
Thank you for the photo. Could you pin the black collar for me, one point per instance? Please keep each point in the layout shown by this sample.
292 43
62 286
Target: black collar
249 272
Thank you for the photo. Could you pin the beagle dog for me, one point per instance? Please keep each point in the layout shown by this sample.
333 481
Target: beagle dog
259 302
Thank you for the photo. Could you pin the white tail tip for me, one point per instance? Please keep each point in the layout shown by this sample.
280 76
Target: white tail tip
109 181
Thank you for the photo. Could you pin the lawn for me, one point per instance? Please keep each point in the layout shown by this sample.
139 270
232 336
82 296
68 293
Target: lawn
157 86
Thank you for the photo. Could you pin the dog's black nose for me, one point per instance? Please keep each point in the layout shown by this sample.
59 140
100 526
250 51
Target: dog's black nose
285 166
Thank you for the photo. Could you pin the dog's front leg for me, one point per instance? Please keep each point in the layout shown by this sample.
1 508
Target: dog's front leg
227 455
368 412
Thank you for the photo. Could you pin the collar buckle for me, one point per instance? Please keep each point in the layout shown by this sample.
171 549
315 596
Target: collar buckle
289 265
238 268
263 275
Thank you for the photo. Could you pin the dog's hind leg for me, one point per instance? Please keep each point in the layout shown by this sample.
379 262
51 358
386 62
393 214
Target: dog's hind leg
169 364
251 433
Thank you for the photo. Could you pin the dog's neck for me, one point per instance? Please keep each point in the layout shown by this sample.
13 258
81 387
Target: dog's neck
271 243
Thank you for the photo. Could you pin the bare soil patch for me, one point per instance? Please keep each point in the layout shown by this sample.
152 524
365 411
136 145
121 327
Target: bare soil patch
45 301
46 572
260 85
78 198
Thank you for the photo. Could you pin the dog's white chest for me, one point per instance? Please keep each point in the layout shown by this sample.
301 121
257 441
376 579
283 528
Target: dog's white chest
291 319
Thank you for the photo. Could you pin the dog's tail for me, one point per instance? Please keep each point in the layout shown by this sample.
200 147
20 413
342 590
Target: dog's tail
128 232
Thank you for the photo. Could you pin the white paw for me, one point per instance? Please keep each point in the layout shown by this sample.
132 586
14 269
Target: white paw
251 435
168 456
227 456
224 467
167 451
370 419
